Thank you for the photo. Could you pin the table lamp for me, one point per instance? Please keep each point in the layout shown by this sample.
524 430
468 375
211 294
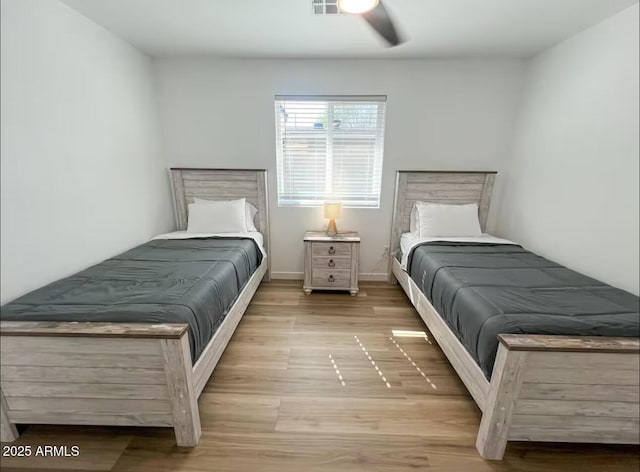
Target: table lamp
331 212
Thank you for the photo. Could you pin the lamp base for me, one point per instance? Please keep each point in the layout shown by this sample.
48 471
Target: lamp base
332 230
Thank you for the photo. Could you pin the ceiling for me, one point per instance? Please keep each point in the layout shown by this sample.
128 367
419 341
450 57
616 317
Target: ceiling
288 28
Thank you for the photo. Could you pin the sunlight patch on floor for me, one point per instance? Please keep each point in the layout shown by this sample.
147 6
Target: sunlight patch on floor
335 367
373 363
424 376
405 333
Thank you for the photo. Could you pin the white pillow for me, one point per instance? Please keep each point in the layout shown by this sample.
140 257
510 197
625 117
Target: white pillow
414 226
218 217
440 220
250 215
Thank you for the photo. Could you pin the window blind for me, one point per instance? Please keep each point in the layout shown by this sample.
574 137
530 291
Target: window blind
329 148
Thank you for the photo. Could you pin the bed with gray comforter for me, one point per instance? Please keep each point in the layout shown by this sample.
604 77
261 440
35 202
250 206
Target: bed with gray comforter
192 281
482 290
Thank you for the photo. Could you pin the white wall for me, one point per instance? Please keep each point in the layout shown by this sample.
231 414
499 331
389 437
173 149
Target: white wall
441 115
571 190
82 179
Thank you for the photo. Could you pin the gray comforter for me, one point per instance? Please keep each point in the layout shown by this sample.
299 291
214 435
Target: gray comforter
192 281
482 290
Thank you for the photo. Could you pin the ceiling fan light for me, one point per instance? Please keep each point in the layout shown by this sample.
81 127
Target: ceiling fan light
357 6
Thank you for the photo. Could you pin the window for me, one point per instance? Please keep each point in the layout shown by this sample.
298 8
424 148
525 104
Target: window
329 149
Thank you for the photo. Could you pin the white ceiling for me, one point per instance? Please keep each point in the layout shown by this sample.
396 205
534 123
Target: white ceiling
287 28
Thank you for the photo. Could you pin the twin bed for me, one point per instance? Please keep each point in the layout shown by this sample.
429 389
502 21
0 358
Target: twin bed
133 340
547 354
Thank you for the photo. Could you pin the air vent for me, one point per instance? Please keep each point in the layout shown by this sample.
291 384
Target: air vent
326 7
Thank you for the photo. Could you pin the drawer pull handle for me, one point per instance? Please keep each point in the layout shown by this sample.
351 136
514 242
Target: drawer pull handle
331 279
332 250
331 263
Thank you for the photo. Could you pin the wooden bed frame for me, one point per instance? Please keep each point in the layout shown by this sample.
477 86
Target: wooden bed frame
543 388
125 374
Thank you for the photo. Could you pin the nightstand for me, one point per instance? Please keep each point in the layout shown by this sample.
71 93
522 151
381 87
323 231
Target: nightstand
331 262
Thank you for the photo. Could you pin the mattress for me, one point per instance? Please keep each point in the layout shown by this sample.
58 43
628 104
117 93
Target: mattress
482 290
194 281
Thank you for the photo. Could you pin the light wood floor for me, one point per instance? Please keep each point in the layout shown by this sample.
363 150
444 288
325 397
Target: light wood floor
325 382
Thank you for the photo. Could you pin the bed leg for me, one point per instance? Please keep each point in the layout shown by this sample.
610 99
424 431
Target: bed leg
182 394
8 430
504 389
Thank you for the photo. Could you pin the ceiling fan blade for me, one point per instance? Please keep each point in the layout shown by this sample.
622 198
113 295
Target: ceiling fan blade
380 21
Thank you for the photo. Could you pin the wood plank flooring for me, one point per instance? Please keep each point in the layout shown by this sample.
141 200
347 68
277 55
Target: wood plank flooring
326 382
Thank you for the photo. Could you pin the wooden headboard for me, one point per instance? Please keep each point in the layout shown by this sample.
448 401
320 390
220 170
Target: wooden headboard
438 187
222 184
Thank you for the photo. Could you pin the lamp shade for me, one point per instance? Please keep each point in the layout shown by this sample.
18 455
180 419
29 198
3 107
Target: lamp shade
332 210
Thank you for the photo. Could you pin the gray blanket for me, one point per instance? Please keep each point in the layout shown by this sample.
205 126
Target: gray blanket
192 281
482 290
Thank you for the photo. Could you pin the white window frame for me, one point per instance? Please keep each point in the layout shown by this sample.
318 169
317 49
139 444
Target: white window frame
327 195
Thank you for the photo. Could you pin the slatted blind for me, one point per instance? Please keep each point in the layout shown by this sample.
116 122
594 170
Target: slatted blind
329 149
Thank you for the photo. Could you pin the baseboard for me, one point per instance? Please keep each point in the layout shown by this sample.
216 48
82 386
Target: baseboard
287 275
373 276
364 276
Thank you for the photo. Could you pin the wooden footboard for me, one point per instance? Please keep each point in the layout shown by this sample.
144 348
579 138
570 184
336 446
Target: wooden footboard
121 374
562 388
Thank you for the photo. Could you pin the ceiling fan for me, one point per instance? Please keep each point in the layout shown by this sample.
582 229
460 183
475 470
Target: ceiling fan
374 13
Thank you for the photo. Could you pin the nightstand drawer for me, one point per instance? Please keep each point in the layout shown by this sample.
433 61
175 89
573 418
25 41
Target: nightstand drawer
329 262
331 278
331 249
